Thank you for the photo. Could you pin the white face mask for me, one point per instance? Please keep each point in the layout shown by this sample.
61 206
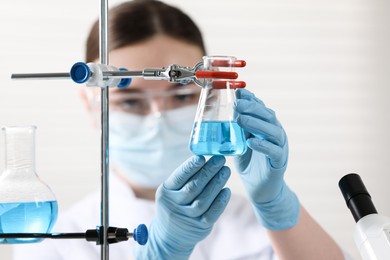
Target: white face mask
147 149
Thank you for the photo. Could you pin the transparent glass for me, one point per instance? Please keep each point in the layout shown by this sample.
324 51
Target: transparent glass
27 205
215 130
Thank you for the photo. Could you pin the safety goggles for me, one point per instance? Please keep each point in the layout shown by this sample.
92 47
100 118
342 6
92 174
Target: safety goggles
144 103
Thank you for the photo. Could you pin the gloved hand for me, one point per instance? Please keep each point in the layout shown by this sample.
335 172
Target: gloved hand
263 165
188 204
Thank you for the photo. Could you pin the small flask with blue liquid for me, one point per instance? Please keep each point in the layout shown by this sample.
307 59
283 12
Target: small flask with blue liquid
215 131
27 205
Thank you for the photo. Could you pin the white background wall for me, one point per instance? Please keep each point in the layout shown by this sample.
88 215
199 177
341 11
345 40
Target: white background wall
321 65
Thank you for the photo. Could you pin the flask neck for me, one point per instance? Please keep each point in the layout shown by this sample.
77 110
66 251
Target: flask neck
20 148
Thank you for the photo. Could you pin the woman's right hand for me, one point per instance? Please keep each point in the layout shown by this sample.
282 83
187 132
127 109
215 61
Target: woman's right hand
189 202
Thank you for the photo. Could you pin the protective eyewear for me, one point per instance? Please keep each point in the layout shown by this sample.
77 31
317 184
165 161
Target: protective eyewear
144 103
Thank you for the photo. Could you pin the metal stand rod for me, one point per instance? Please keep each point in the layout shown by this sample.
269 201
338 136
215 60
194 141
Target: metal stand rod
103 35
103 235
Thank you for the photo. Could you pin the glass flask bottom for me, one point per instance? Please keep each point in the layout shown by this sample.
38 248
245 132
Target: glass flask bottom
217 138
27 217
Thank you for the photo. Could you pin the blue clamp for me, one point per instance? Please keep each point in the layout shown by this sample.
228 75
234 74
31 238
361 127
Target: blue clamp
125 82
80 72
140 234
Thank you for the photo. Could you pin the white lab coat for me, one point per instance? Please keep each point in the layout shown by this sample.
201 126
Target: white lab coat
236 235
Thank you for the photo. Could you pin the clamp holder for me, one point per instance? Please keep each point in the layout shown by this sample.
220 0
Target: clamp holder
104 76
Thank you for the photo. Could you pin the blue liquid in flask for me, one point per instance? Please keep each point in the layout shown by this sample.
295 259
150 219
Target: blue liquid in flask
27 217
218 138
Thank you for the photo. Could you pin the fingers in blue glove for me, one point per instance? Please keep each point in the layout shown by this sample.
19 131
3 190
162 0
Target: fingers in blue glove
217 207
262 129
201 193
243 93
188 181
208 195
277 155
255 107
266 135
257 119
188 204
182 174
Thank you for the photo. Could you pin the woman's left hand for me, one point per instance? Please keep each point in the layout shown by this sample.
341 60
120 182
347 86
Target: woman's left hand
263 165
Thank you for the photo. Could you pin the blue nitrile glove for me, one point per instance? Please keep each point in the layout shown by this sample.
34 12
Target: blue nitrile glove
263 165
188 204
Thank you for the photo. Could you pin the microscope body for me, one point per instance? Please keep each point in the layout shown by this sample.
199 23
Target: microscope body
372 237
372 231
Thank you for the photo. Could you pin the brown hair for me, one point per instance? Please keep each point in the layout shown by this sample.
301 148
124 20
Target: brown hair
138 20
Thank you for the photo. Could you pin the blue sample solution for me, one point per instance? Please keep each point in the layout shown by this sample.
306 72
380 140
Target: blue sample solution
27 217
217 138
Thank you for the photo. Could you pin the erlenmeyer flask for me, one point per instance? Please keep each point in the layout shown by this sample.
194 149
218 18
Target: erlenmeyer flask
215 130
27 205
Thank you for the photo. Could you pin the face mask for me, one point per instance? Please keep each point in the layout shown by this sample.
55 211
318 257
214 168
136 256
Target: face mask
147 149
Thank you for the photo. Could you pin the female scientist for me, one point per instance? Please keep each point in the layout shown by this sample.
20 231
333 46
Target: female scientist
154 180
